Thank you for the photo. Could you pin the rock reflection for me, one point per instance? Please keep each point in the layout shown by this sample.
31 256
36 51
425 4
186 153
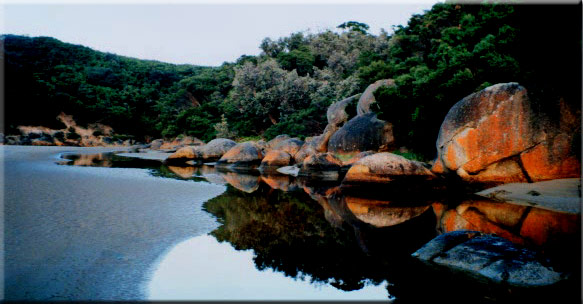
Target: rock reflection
289 234
89 160
183 172
381 213
550 231
280 182
244 182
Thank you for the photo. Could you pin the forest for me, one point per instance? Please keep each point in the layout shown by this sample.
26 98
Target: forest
436 59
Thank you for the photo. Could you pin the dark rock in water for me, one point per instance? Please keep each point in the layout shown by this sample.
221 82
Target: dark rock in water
338 112
362 133
367 98
246 154
489 257
498 135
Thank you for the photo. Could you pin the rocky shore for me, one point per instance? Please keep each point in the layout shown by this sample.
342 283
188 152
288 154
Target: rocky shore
493 138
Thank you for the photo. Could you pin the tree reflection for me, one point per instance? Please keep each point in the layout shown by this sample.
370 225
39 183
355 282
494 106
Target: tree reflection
289 233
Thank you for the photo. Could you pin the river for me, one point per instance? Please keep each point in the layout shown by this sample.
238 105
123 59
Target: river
105 227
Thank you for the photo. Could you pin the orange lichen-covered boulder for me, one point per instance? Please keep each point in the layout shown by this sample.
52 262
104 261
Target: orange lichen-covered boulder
316 144
275 158
496 135
291 146
183 154
385 167
242 154
215 148
276 140
324 165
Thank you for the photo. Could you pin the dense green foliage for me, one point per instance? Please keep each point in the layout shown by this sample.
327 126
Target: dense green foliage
436 59
455 50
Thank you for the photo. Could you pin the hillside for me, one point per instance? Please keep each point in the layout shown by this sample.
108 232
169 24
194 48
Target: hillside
436 59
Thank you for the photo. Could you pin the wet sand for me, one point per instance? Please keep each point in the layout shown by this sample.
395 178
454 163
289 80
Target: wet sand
89 233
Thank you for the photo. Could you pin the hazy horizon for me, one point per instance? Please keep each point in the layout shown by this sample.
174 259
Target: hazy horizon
199 34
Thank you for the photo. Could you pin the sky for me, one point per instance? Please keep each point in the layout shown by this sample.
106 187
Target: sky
187 32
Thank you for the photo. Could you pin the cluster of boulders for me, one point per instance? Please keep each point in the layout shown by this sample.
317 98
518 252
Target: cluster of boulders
494 136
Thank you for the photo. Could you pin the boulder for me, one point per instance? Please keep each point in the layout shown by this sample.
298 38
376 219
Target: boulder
316 144
291 146
352 160
339 112
156 144
246 154
275 159
367 98
496 136
215 149
262 144
183 155
306 150
324 165
362 133
275 141
385 167
179 142
489 257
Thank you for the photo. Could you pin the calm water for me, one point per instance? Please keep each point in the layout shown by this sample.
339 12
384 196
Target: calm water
244 236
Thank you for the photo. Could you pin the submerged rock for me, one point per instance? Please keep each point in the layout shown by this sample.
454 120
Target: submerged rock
490 257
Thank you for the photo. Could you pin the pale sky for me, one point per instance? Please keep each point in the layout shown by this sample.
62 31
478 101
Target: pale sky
193 33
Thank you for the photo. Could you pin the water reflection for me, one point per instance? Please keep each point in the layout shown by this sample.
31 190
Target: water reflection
276 225
191 271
